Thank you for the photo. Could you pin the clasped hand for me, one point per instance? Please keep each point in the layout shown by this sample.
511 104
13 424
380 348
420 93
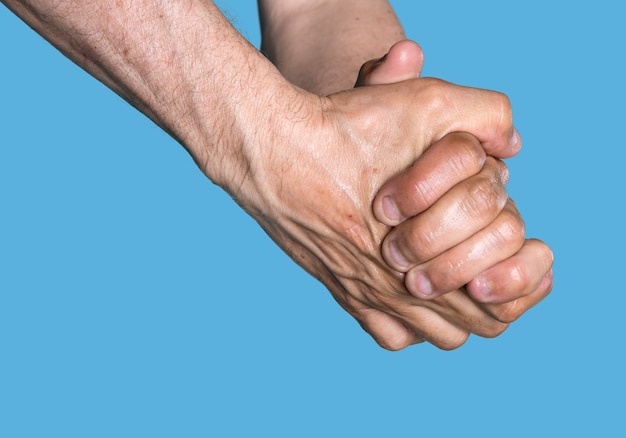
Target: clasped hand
393 197
392 194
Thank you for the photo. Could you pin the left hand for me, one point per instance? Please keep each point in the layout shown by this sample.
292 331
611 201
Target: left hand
476 234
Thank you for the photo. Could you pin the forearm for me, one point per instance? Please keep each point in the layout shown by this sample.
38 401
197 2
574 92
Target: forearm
320 45
181 63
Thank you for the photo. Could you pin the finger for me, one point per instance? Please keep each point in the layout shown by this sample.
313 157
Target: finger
396 321
511 311
454 158
388 331
456 267
433 327
445 322
459 214
459 309
403 61
515 277
485 114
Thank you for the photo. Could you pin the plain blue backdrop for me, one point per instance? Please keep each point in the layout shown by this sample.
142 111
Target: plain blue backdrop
125 311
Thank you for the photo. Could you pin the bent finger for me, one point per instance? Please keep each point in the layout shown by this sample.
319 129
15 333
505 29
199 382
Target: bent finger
511 311
456 267
459 309
515 277
454 158
460 213
433 327
485 114
388 331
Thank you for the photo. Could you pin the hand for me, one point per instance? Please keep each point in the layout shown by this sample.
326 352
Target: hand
457 226
312 192
306 167
479 240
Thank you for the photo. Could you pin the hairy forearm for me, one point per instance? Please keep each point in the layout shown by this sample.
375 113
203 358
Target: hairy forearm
320 45
181 63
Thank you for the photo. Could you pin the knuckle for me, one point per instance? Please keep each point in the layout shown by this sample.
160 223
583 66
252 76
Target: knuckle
470 155
546 252
483 196
385 335
433 85
504 109
511 229
483 193
454 341
542 253
494 330
485 326
394 343
509 312
433 92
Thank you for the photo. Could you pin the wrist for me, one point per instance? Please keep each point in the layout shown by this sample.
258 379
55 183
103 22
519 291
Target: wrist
272 132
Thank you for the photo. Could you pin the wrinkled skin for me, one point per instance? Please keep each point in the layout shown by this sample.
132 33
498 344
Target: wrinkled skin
325 221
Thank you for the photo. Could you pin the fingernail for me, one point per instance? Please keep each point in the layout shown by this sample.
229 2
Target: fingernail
547 279
420 285
515 139
390 209
397 259
481 286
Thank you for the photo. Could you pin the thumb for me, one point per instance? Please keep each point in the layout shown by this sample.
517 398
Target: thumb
403 62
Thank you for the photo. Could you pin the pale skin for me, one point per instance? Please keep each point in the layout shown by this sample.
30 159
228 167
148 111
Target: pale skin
319 45
430 184
306 167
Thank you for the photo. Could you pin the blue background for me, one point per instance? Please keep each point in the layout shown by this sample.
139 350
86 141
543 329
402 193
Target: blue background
124 310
